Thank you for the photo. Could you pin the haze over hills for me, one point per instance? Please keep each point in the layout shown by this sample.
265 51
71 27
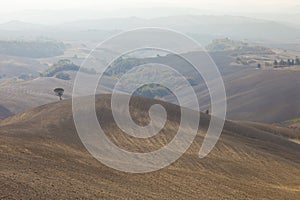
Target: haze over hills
282 13
204 27
42 157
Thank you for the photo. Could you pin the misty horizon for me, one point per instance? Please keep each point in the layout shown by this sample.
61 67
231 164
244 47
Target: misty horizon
63 11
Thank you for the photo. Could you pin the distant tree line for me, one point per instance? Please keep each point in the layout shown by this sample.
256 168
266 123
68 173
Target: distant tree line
59 68
63 76
121 66
152 90
25 76
239 46
288 62
32 49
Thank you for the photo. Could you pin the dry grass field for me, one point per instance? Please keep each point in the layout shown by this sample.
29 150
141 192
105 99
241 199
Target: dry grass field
42 158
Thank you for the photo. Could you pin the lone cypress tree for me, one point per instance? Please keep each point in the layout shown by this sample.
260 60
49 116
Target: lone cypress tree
59 92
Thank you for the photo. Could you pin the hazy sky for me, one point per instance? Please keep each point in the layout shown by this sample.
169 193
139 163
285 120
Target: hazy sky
57 11
14 5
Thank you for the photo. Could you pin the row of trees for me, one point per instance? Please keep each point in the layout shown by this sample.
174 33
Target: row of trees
288 62
61 66
152 91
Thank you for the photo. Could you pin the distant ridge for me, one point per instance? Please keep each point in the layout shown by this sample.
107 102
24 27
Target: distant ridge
206 27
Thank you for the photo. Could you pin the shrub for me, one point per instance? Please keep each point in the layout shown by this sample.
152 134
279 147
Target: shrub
63 76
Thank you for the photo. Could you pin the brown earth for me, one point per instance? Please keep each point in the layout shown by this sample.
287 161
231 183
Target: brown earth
42 158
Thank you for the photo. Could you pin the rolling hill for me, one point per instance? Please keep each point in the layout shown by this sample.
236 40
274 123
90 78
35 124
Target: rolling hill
42 157
262 95
252 94
11 66
259 95
19 96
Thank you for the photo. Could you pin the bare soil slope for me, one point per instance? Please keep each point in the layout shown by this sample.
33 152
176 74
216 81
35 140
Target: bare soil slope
19 96
42 157
268 96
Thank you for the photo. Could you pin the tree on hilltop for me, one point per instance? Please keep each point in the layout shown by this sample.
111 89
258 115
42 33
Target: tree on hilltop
59 92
